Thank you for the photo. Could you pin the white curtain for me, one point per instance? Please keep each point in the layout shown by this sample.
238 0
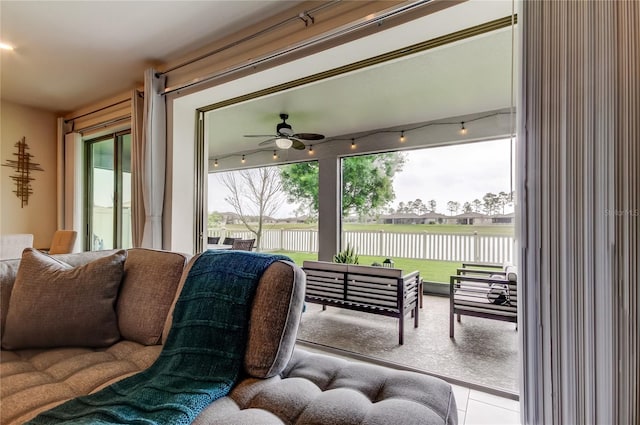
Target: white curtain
137 155
579 192
74 187
154 149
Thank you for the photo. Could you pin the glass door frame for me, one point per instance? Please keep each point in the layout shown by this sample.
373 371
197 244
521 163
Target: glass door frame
118 142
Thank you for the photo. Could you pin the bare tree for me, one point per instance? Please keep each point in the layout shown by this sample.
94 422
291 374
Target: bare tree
255 194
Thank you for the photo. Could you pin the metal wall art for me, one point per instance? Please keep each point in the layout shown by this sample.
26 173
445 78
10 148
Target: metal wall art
23 168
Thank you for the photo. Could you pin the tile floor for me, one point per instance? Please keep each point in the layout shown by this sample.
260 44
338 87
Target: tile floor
478 408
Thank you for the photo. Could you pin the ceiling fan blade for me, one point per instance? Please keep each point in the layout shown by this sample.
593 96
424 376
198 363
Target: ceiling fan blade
266 142
297 144
259 135
309 136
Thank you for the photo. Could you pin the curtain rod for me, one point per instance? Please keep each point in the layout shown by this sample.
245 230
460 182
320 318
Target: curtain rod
303 16
97 110
362 23
103 124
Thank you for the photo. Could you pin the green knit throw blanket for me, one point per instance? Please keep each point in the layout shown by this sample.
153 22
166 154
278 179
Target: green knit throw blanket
201 360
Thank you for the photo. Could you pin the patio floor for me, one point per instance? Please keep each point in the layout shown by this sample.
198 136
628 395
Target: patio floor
484 352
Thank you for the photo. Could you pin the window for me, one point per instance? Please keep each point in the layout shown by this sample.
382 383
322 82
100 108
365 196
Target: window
109 192
275 205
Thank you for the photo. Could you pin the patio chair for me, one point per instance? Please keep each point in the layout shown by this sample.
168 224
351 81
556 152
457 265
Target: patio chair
243 244
213 240
489 291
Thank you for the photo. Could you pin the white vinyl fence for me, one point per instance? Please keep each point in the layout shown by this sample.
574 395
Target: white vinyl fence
422 245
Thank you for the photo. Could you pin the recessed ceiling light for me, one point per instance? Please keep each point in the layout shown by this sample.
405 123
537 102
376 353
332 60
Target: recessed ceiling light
5 46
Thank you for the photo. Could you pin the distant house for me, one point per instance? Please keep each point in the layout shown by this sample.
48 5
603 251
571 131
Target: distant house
469 218
503 218
401 218
433 218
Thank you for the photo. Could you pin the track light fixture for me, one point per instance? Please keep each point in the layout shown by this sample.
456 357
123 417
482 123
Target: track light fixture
215 162
463 130
353 143
275 154
402 138
310 149
242 160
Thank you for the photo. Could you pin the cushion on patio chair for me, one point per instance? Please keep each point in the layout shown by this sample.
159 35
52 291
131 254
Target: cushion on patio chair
498 294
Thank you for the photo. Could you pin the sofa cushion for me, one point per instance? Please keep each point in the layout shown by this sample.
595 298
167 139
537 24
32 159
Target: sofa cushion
148 289
39 379
275 316
55 305
8 272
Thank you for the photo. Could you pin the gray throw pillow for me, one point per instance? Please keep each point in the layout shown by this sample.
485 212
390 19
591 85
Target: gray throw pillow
55 305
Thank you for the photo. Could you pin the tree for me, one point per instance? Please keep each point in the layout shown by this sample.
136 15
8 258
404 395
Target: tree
367 182
453 207
432 205
214 219
466 208
420 207
503 200
411 207
254 195
490 203
477 205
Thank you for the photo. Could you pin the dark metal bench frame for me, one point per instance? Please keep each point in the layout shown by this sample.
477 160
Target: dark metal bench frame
366 292
475 273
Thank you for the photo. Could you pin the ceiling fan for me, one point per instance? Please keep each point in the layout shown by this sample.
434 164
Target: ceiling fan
285 138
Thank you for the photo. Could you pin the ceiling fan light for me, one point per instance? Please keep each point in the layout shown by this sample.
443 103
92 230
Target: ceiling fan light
283 143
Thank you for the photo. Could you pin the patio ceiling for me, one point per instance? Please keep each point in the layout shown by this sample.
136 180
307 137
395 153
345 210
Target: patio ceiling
465 77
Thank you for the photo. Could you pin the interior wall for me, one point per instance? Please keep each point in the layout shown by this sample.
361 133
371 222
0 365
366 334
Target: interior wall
39 216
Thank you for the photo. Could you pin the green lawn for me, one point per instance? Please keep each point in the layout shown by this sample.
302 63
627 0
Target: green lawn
430 270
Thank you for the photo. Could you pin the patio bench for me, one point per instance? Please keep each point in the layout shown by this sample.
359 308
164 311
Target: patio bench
378 290
489 291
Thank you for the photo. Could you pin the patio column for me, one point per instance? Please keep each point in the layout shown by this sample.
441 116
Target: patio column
578 190
329 223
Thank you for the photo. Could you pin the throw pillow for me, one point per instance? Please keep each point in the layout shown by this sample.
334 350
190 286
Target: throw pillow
55 305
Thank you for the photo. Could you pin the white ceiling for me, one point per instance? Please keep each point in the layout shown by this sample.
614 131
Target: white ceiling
458 79
466 77
69 54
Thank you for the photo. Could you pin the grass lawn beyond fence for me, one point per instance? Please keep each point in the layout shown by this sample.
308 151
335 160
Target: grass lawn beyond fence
430 270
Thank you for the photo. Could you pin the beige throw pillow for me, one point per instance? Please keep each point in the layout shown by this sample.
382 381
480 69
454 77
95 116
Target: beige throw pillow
55 305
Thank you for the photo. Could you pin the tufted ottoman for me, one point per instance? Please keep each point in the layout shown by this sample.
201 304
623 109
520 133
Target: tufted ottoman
320 389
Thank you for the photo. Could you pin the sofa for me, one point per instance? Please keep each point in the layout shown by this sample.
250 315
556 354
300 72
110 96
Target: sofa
50 356
11 245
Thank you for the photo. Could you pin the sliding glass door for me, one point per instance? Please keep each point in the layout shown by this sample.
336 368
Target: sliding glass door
109 192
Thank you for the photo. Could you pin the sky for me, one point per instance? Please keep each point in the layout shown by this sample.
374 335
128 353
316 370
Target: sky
458 173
